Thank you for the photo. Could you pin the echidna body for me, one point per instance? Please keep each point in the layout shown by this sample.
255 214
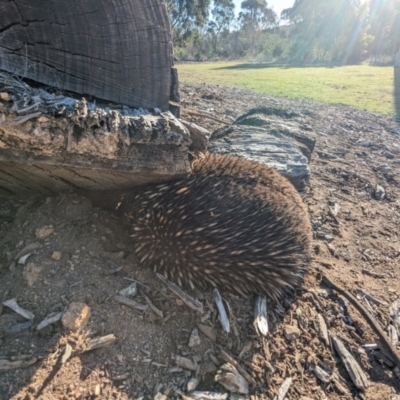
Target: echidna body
233 224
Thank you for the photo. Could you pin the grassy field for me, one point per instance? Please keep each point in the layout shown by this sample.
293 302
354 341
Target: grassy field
365 87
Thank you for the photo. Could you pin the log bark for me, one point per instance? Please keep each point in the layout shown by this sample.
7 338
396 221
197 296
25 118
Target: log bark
257 144
115 51
65 144
270 136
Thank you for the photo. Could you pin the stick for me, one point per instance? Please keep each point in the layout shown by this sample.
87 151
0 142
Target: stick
226 357
198 114
370 319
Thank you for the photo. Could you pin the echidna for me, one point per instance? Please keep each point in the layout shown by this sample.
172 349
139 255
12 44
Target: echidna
234 224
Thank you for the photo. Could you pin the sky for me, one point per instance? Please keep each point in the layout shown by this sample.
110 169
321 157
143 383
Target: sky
277 5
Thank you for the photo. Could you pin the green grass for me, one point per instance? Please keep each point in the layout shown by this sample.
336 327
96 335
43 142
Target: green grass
362 86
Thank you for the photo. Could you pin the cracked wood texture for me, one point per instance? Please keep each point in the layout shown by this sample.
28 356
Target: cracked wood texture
119 51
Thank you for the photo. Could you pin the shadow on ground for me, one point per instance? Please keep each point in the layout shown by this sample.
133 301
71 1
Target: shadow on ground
275 65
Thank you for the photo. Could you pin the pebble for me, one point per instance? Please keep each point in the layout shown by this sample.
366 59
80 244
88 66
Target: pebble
291 332
76 316
44 232
194 339
56 255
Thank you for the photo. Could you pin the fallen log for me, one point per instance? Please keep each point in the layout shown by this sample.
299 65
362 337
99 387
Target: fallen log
72 144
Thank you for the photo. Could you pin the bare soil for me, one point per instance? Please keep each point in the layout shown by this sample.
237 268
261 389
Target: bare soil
358 248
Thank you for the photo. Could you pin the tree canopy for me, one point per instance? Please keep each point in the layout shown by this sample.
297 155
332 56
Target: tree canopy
334 31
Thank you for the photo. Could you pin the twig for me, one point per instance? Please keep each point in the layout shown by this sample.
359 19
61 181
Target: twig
130 303
24 110
188 300
344 198
355 371
333 215
153 307
25 118
98 342
370 319
198 114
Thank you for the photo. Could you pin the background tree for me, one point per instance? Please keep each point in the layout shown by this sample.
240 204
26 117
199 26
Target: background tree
223 14
384 21
186 16
255 17
328 29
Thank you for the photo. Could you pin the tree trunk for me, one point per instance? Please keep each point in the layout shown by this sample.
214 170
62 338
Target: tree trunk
115 51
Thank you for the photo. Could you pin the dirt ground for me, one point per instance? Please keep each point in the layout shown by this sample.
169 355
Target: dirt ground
84 255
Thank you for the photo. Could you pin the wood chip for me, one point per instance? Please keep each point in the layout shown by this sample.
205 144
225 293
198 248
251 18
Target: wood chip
27 249
67 353
131 303
49 320
393 335
322 329
229 377
188 300
208 331
284 389
194 339
227 358
100 342
185 363
23 259
19 310
356 373
152 306
6 365
322 375
260 322
223 316
197 395
373 299
389 348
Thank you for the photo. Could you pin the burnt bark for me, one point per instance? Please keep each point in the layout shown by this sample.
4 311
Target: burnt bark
116 51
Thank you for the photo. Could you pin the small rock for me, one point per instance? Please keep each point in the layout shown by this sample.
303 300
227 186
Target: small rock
76 316
160 396
192 384
194 338
291 332
130 291
44 232
379 192
5 96
56 255
43 119
31 273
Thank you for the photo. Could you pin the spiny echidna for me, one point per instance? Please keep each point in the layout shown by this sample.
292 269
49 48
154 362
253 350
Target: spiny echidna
234 224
